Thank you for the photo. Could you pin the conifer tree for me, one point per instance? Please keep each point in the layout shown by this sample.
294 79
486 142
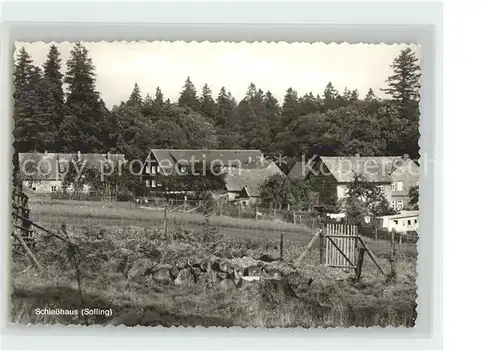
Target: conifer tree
188 96
81 129
207 104
53 79
404 84
135 98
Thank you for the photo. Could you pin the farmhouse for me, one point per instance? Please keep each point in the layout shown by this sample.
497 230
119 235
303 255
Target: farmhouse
404 221
332 175
44 172
245 183
245 170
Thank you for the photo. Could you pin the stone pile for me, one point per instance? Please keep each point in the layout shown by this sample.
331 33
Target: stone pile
283 278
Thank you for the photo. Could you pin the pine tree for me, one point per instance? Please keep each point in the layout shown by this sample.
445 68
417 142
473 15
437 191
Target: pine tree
53 79
291 107
226 121
404 85
255 127
81 129
188 96
404 89
158 101
207 104
331 98
135 99
273 114
310 103
32 113
370 95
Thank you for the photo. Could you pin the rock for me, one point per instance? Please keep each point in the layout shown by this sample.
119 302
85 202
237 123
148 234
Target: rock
205 265
139 268
237 271
181 263
268 258
185 276
222 275
227 284
273 272
221 266
196 273
174 272
294 279
162 274
252 271
302 288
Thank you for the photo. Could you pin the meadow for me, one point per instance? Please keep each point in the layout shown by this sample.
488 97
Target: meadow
331 299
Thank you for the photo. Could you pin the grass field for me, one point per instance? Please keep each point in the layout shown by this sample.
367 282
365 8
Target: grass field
110 233
83 213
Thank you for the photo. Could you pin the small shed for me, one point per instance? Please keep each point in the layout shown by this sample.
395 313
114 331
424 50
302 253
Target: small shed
402 222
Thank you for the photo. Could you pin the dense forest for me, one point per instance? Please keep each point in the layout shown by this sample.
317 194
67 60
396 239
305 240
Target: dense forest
59 112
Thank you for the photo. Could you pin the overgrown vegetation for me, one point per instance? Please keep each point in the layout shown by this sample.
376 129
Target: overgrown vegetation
111 254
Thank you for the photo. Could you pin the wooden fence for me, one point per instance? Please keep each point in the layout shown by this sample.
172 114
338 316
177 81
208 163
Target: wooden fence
340 245
20 219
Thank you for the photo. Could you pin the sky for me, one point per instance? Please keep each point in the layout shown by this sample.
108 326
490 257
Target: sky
270 66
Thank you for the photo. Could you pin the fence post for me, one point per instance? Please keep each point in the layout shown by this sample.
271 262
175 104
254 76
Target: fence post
392 257
376 234
281 246
256 211
165 223
359 265
321 244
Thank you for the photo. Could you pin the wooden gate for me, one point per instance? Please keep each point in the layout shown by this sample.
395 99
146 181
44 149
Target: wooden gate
340 245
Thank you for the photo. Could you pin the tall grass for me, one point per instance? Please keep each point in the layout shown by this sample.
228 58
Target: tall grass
329 303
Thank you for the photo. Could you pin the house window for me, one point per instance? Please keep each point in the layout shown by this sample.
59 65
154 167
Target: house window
393 186
153 183
409 223
396 222
34 188
393 204
54 189
147 183
400 205
399 186
158 184
153 169
415 221
381 187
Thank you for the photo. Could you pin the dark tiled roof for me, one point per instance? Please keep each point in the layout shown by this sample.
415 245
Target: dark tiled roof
250 179
53 166
243 158
374 169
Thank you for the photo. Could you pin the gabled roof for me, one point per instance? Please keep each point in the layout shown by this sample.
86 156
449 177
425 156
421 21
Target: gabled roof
250 179
374 169
53 166
237 158
299 171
